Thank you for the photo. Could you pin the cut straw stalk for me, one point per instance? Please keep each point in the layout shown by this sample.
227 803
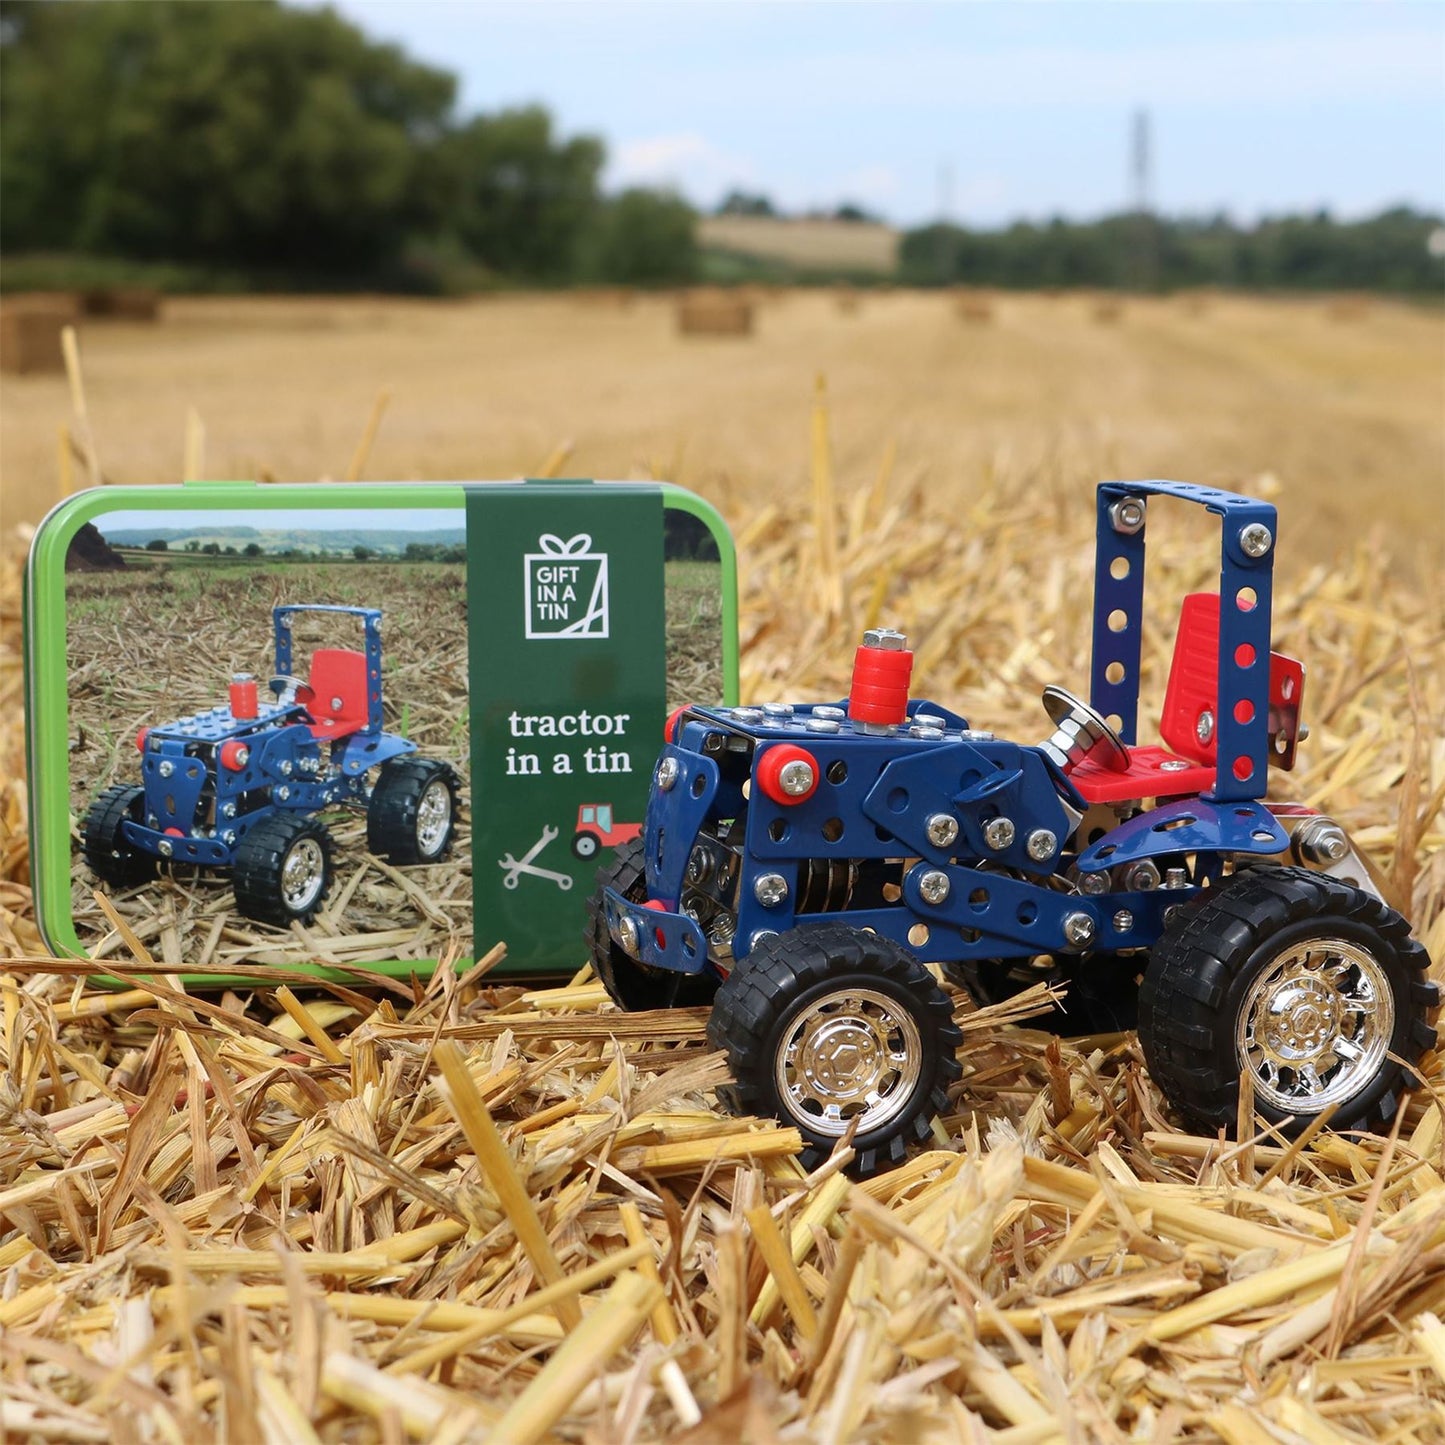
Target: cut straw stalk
588 1347
496 1166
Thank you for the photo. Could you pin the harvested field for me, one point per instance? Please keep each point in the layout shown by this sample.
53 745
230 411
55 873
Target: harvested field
471 1212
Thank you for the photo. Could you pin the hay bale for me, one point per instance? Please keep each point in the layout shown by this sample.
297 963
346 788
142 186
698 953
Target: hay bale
974 308
30 327
714 312
122 303
1349 307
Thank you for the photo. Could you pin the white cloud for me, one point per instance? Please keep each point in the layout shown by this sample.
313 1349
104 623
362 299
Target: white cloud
686 162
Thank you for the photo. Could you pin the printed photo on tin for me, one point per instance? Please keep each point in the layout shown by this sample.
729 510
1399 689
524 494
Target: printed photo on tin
269 753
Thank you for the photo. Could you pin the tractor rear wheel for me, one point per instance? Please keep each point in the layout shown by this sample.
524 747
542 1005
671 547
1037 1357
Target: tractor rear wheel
827 1029
112 858
631 985
586 845
412 812
1314 989
283 870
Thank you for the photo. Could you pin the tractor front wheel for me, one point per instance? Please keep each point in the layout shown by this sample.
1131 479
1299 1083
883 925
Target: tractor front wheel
413 811
283 870
112 858
829 1029
1313 989
631 985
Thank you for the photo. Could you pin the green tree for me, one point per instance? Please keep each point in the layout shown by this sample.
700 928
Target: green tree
249 132
251 549
158 544
212 549
361 553
644 238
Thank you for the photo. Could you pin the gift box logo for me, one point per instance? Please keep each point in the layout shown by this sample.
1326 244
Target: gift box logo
566 588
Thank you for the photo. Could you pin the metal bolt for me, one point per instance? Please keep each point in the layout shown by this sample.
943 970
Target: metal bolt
1093 883
1042 845
229 836
770 889
668 771
1173 765
934 887
976 735
1176 878
1127 516
723 928
1204 728
826 711
998 833
1141 877
166 768
918 731
759 934
699 865
283 792
796 778
1321 840
748 714
778 709
1123 921
228 810
823 725
285 767
1078 929
929 720
164 848
942 829
885 638
628 937
1255 540
1171 913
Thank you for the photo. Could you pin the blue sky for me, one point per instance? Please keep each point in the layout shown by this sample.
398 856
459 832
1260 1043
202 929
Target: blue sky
1255 107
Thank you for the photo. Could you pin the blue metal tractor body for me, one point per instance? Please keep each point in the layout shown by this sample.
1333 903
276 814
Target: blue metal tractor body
961 846
210 778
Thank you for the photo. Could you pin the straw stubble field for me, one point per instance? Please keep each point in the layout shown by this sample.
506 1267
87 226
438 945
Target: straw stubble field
470 1211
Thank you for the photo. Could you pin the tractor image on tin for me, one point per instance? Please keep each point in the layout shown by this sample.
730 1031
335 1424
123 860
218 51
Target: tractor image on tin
239 786
802 864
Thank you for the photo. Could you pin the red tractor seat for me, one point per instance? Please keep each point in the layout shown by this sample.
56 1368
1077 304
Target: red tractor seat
1155 772
338 704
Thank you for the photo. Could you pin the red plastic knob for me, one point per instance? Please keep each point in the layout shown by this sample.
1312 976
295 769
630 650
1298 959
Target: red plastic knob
788 774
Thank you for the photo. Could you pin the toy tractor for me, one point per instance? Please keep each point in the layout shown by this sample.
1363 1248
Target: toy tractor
239 786
596 829
802 864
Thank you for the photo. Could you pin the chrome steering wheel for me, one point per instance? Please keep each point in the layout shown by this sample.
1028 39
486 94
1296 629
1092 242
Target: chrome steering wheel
286 687
1080 732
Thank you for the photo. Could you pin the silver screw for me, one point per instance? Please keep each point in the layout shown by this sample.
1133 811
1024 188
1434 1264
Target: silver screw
796 777
885 638
998 833
1093 883
942 829
166 768
1255 540
1176 878
827 711
285 767
934 887
928 720
627 935
1141 877
823 725
1078 929
1322 840
770 889
1123 921
778 709
1204 728
229 836
759 934
667 774
283 792
1127 516
1042 845
164 848
1173 765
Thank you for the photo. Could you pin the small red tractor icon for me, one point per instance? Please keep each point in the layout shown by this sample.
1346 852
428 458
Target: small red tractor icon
595 829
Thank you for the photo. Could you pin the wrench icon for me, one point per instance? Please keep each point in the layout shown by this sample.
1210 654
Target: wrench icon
517 866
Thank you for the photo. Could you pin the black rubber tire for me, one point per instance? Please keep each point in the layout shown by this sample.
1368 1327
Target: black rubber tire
631 985
260 866
110 857
794 971
1103 991
391 811
586 845
1201 969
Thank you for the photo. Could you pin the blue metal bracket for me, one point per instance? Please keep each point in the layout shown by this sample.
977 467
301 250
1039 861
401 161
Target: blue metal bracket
1191 825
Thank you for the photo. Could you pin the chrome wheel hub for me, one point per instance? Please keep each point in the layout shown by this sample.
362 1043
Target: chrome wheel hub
433 816
303 874
1315 1025
855 1054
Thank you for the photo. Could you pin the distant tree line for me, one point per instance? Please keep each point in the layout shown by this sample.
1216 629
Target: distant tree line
258 140
1390 252
250 144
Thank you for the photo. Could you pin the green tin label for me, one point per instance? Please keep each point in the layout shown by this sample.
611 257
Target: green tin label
565 604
